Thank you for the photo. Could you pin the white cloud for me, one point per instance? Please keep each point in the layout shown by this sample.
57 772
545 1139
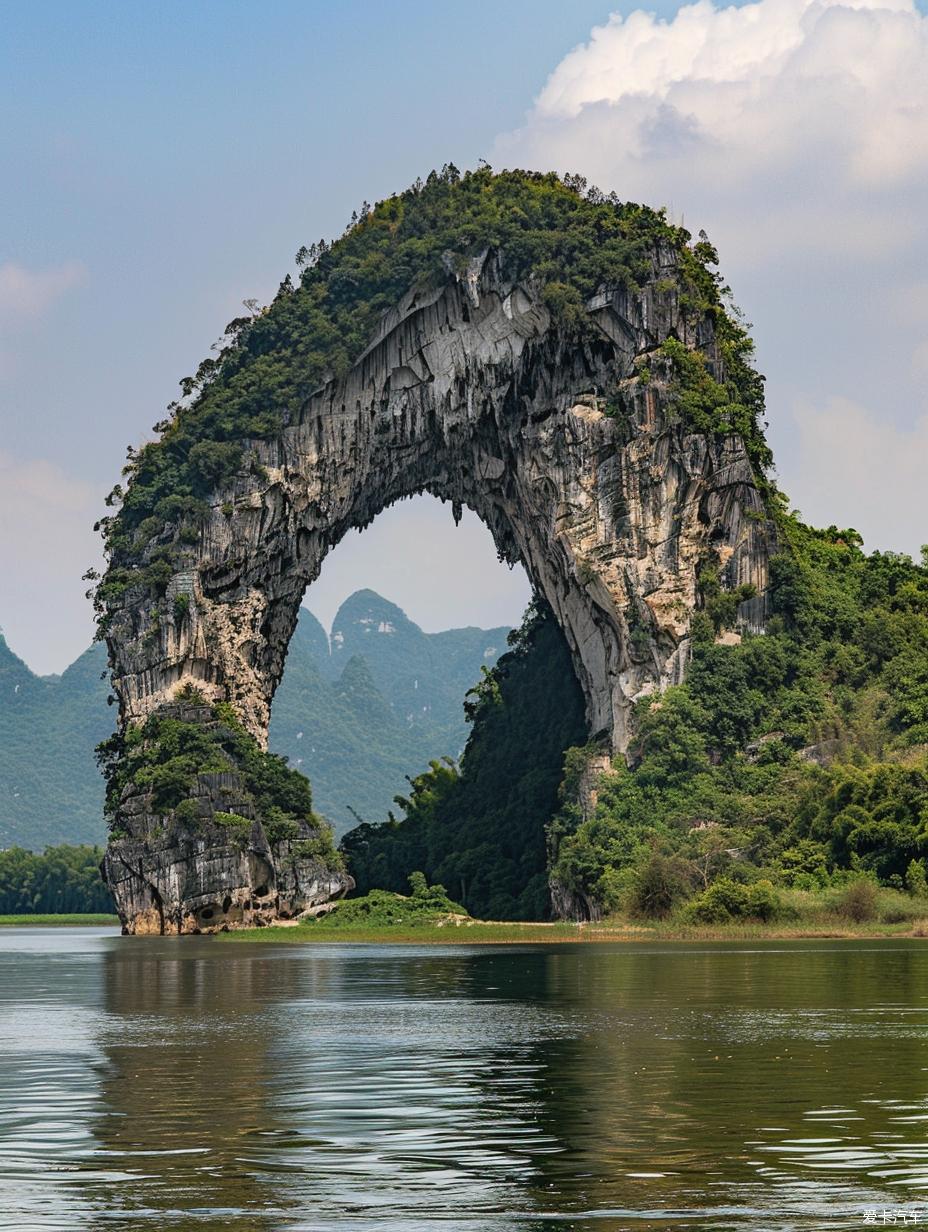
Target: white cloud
858 470
30 293
788 107
47 543
796 133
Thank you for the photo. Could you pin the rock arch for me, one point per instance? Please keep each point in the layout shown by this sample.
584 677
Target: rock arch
471 392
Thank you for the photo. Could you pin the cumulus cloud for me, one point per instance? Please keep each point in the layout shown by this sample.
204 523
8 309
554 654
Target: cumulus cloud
806 111
26 293
47 544
796 133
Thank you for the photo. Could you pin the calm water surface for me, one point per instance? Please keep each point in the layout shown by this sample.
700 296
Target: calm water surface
192 1084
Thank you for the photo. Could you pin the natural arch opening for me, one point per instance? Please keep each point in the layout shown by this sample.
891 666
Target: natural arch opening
390 637
569 409
379 716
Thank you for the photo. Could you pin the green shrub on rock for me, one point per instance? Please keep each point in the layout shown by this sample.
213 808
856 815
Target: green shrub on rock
659 885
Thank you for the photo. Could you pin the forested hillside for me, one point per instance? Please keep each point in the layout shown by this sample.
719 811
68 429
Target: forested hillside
357 720
61 881
386 699
50 789
480 829
795 759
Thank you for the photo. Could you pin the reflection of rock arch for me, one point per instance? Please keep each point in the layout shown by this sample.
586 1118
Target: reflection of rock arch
472 393
184 1089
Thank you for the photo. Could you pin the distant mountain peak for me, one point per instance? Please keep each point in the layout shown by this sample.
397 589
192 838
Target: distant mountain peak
357 721
367 608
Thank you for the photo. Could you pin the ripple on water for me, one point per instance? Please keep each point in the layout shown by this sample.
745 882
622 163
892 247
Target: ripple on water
190 1085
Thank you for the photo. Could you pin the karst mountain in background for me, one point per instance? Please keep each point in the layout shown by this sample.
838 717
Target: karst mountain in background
356 718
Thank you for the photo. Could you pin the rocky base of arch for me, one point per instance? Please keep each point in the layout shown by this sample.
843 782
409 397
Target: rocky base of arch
176 881
202 872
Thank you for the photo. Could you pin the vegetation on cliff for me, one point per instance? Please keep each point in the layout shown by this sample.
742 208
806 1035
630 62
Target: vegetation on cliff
480 828
568 238
163 758
794 759
787 763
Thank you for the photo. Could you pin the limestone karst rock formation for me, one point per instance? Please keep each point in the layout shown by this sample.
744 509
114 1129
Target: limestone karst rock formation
574 456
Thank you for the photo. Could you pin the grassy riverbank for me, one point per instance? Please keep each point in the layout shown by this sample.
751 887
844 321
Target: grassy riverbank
381 917
68 920
487 932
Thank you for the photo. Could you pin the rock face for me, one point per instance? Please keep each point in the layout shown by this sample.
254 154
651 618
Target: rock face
172 878
214 863
474 394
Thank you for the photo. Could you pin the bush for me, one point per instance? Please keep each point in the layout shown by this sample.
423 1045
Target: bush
763 901
916 882
658 886
858 902
898 907
418 886
384 909
187 812
239 827
320 847
727 900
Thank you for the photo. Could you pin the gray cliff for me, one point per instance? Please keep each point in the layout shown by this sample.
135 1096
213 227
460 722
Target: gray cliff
474 394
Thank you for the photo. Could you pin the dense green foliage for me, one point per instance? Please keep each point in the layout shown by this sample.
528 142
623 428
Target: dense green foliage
164 756
480 829
796 758
568 238
423 907
63 879
732 405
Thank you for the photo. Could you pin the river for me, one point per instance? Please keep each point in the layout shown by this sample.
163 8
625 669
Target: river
192 1084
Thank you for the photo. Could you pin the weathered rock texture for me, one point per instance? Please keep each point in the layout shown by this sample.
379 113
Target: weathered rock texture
173 877
473 394
196 870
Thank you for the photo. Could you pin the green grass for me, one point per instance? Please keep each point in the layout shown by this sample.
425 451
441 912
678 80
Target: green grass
493 933
807 916
67 920
432 932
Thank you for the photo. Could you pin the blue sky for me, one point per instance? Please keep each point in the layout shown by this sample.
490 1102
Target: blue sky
164 161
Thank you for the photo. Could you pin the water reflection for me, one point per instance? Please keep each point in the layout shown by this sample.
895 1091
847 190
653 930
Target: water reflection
754 1087
189 1084
184 1088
